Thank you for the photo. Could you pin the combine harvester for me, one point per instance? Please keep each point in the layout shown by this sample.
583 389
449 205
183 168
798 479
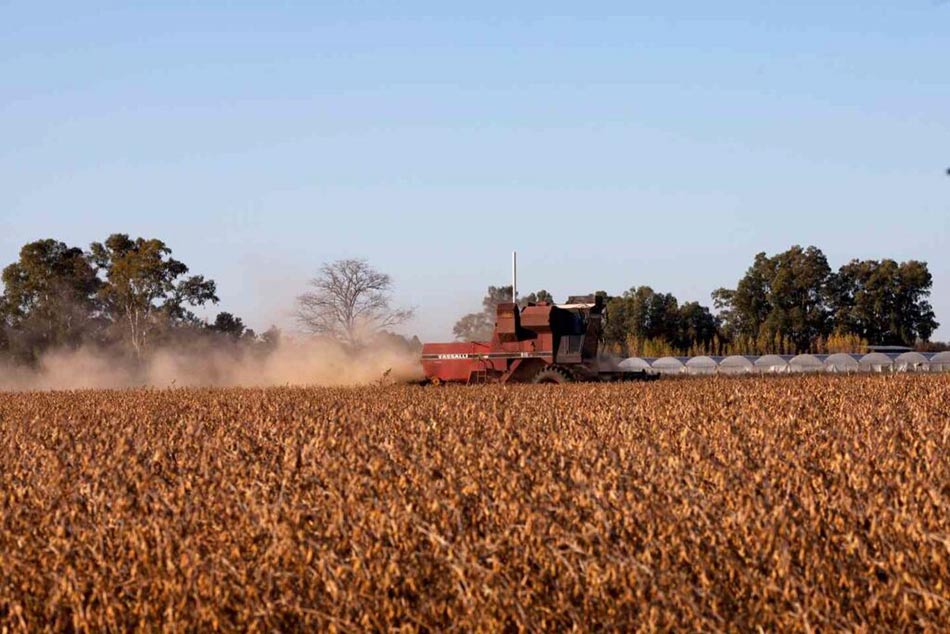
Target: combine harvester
540 343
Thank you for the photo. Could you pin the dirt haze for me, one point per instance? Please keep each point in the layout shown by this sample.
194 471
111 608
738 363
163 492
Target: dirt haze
294 361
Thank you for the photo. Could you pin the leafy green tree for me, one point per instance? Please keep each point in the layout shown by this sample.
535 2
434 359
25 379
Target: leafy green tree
799 293
474 327
480 326
785 295
648 323
146 289
698 327
49 298
641 313
626 317
536 298
884 302
494 296
228 324
744 309
270 338
655 315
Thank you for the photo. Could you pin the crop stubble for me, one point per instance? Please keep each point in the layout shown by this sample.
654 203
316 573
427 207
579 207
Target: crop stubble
714 504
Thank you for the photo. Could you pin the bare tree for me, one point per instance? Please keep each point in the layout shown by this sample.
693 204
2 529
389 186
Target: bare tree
348 301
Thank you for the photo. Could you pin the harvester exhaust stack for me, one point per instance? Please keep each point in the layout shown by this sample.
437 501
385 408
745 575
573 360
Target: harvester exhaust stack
514 277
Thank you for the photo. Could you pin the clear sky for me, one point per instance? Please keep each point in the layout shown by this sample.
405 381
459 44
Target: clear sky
612 143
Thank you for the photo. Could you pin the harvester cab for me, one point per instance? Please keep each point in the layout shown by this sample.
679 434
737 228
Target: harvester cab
540 343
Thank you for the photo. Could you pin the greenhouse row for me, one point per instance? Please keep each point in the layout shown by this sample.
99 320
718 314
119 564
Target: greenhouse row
777 364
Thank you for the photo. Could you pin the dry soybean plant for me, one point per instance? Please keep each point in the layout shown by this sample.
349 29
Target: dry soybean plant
796 504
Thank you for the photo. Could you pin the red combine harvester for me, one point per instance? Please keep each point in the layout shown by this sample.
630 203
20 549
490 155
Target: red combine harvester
540 343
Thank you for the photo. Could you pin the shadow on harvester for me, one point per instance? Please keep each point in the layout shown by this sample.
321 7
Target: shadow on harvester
541 343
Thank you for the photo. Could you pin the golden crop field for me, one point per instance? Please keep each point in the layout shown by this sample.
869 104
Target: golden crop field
792 504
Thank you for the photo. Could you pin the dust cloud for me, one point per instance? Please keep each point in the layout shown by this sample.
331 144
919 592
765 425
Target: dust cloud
294 361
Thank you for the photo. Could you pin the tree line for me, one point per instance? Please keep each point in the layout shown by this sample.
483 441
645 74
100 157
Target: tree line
131 297
787 303
795 296
124 294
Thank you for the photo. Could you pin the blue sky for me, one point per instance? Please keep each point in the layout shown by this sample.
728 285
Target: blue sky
612 143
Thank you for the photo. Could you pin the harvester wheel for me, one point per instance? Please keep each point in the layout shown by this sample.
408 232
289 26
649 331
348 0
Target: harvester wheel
551 375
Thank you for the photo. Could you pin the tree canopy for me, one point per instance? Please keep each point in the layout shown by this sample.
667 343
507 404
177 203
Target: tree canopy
231 326
796 296
146 288
479 326
783 295
49 298
884 301
131 292
785 303
644 322
122 292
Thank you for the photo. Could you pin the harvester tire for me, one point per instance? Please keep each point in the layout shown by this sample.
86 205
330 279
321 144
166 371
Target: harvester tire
551 375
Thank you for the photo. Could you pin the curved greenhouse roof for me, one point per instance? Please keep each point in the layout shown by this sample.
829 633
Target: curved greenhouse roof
737 364
634 364
668 365
940 361
702 365
771 363
806 363
876 361
911 361
842 362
